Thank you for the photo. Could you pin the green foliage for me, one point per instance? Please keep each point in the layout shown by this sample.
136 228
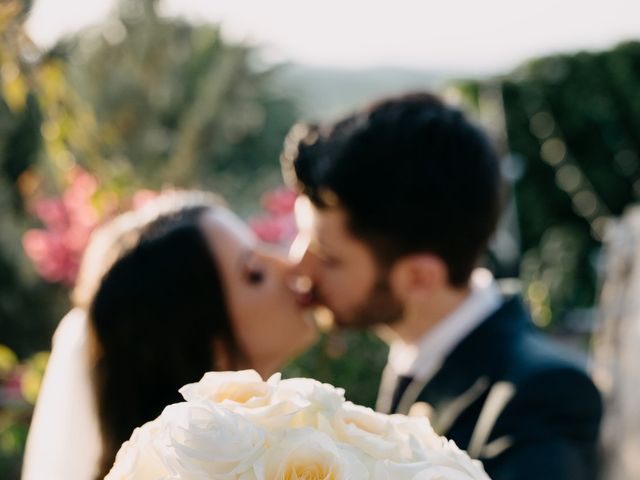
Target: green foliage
24 324
139 101
179 105
19 384
573 125
13 436
19 144
351 360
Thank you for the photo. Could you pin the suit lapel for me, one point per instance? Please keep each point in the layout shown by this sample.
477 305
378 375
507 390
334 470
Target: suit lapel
469 371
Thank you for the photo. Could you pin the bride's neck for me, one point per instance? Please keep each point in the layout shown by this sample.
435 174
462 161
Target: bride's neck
224 361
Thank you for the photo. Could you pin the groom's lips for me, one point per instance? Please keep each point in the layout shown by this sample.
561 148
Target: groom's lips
306 299
304 291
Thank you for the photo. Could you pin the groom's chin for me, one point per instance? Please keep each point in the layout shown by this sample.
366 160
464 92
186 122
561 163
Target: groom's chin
327 320
379 309
357 320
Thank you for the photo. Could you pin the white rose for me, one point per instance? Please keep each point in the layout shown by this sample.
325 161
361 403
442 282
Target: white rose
433 457
361 458
244 388
306 454
438 472
322 395
390 470
206 441
138 457
245 393
449 458
372 432
322 400
418 433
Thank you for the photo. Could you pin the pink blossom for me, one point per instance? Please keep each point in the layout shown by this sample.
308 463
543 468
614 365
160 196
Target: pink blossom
68 222
279 201
52 212
12 389
53 260
278 224
278 230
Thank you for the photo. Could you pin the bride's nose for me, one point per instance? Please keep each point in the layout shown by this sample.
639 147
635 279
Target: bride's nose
284 266
295 280
293 277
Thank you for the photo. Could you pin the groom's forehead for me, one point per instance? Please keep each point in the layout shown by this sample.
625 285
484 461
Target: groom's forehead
320 226
326 223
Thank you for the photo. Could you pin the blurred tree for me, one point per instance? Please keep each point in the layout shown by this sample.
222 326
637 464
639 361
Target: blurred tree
573 129
19 113
24 324
141 100
178 104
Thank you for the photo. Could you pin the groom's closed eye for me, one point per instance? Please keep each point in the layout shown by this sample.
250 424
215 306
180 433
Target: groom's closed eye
323 256
331 261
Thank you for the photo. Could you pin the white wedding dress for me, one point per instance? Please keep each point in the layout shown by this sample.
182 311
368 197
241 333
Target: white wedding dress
64 440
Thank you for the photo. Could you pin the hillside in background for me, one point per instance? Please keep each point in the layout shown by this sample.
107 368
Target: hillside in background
323 93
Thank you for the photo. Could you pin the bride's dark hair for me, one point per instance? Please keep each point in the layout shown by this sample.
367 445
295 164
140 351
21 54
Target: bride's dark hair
155 302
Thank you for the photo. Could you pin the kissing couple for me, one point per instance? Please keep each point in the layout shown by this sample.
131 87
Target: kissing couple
400 200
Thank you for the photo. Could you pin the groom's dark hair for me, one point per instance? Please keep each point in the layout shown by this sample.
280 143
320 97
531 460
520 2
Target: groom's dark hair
413 175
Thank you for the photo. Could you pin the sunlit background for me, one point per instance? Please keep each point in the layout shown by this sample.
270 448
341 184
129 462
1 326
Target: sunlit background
455 36
347 52
103 103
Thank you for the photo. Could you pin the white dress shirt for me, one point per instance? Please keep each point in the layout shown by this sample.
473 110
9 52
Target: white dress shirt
424 358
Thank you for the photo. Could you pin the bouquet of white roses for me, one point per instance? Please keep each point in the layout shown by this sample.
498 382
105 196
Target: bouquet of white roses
234 425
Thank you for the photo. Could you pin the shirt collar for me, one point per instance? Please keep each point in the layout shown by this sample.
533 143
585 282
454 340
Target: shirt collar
422 358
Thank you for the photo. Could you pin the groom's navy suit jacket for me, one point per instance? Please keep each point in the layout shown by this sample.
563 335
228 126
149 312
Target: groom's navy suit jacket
513 399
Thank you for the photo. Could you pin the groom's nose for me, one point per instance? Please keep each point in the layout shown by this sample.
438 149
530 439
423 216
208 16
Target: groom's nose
302 284
301 259
299 247
303 263
303 212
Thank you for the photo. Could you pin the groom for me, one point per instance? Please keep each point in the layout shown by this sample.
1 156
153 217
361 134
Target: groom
404 196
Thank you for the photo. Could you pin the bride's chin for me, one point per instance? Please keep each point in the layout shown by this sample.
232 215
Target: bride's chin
308 318
306 334
311 324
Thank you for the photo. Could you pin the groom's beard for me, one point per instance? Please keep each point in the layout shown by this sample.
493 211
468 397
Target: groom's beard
380 307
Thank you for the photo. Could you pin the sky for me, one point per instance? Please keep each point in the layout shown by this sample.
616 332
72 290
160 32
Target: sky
472 36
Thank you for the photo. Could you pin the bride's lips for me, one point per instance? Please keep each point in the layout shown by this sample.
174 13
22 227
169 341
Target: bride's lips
303 290
306 299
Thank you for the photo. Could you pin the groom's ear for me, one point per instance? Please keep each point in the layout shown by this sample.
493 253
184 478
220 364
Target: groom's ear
417 277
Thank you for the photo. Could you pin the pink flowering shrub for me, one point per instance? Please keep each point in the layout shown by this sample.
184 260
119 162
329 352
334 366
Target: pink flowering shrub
56 250
277 225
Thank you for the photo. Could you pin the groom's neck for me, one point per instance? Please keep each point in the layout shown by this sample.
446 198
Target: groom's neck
421 316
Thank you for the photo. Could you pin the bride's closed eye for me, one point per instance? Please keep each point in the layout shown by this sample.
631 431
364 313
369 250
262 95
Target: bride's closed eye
253 270
254 276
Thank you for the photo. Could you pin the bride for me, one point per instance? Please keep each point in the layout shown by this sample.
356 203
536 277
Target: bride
165 294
